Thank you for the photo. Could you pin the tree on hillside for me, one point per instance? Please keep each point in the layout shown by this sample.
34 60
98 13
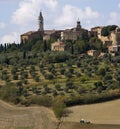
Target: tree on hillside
24 55
72 48
45 46
107 29
95 43
81 46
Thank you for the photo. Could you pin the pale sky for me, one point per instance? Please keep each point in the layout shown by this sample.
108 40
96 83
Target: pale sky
19 16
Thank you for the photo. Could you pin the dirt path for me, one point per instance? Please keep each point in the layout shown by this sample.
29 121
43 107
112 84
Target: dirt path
12 117
102 113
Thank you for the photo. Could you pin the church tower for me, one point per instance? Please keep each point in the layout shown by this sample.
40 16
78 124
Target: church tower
78 27
41 22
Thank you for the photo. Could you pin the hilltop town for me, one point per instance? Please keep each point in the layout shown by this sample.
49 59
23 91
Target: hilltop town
109 36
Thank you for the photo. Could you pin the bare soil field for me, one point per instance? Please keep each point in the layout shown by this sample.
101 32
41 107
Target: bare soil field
12 117
102 116
101 113
74 125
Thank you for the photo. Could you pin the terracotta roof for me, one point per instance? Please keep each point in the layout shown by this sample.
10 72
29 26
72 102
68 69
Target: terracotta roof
51 31
58 44
91 50
29 33
97 27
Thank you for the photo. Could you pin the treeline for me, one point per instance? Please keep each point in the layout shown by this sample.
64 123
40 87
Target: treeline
93 98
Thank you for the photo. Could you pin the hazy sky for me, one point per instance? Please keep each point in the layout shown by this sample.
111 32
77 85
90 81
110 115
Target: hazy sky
19 16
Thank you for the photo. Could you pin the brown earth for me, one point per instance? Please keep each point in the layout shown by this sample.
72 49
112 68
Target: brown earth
12 117
102 116
71 125
101 113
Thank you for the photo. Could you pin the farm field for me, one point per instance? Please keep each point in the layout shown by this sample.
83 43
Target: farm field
74 125
12 117
102 113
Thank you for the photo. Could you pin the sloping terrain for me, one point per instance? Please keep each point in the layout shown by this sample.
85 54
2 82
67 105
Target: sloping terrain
102 116
101 113
12 117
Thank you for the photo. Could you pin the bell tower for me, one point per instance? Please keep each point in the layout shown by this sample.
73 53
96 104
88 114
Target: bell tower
78 27
41 22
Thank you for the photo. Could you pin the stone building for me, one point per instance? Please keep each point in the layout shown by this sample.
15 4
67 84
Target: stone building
74 33
31 35
41 23
97 31
115 36
58 46
95 53
112 41
112 48
68 34
45 34
49 34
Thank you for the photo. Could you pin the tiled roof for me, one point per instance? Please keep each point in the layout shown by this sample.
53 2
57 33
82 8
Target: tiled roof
28 33
58 44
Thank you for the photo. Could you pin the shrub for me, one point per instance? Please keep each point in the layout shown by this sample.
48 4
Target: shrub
15 77
68 74
19 83
36 78
62 70
108 77
57 86
69 84
8 93
102 72
14 70
71 70
55 93
78 64
59 109
42 100
49 76
78 74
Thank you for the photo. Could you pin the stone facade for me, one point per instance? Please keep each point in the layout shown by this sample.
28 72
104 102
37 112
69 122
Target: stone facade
58 46
112 48
115 37
93 53
104 39
74 33
112 41
97 31
31 35
41 23
49 34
